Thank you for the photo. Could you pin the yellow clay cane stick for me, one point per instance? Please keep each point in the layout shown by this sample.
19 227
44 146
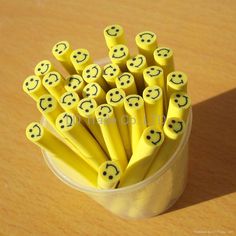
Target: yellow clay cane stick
43 67
110 73
69 101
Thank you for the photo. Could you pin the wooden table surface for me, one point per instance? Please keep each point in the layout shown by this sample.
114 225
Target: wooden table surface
203 35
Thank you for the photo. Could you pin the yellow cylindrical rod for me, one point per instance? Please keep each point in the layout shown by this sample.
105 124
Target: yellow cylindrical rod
134 106
148 146
93 73
75 83
69 101
109 174
119 54
94 90
33 86
147 43
115 97
86 109
179 105
67 123
43 138
126 82
110 73
114 34
136 66
106 119
153 101
80 58
43 67
54 83
173 129
176 82
61 51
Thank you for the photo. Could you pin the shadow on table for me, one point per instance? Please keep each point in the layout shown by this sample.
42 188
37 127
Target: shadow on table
212 167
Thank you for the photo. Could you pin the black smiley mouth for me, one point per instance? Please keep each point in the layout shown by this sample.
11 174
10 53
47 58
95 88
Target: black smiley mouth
184 104
96 90
174 82
96 69
65 97
141 36
41 105
59 52
108 32
81 105
85 56
159 138
137 65
68 119
118 57
180 129
32 88
158 94
161 50
157 73
39 130
110 165
42 72
118 100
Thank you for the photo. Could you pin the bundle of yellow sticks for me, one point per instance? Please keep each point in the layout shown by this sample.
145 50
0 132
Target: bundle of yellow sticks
116 124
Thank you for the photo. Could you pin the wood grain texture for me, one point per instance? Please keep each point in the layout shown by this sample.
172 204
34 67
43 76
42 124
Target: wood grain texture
202 33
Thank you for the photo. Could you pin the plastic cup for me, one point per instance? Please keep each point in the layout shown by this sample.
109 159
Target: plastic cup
147 198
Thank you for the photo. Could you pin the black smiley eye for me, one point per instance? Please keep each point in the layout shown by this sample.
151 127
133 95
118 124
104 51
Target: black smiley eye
134 59
75 56
60 121
69 85
87 89
122 83
122 49
131 64
26 83
111 74
142 40
91 106
73 99
149 90
117 30
178 96
173 75
159 54
130 104
136 104
99 113
128 82
165 55
49 99
117 92
114 69
56 50
69 103
104 115
148 72
115 50
60 52
79 53
88 76
42 64
110 177
111 94
87 71
170 126
39 69
173 121
152 131
152 68
148 137
148 40
176 100
50 105
31 79
113 27
86 110
179 75
148 95
74 87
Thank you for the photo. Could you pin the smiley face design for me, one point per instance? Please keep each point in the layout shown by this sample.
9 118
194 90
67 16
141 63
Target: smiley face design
174 127
52 79
153 72
152 93
92 72
46 103
133 102
74 83
124 80
80 58
110 170
113 31
111 71
60 48
87 106
136 63
153 136
104 111
115 96
34 131
177 78
42 68
65 121
118 53
69 99
31 83
91 90
181 100
145 39
163 52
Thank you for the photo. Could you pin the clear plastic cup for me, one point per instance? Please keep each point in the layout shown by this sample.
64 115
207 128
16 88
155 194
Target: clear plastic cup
147 198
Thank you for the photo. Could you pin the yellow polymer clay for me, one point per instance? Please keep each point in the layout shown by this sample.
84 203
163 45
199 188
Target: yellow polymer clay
164 58
43 67
110 73
179 105
33 87
119 54
147 43
176 81
126 82
54 83
67 123
93 73
69 101
153 101
106 119
43 138
61 51
136 66
109 174
86 109
80 58
94 90
115 97
173 129
114 34
148 146
134 106
75 83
